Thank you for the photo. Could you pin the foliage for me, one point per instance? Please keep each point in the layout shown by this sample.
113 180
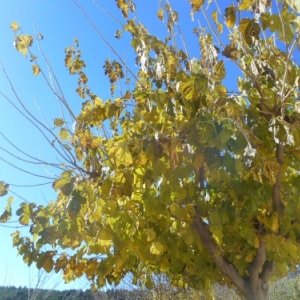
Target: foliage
195 181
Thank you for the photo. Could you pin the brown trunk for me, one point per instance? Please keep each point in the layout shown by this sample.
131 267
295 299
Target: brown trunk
253 287
256 290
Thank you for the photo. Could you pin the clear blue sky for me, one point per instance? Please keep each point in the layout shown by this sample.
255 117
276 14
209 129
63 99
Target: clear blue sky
59 22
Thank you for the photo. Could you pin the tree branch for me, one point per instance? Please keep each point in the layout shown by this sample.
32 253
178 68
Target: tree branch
267 271
259 261
278 205
211 247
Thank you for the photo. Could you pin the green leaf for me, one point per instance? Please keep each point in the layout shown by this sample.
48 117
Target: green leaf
105 238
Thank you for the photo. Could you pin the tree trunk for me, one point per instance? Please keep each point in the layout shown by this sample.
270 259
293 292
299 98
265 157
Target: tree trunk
255 285
256 290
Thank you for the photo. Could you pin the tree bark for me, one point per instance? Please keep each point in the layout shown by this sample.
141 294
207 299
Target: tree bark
254 286
278 205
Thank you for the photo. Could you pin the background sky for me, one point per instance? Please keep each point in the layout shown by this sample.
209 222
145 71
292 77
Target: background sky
59 22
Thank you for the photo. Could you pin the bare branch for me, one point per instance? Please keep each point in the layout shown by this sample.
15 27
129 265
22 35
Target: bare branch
106 41
25 171
108 13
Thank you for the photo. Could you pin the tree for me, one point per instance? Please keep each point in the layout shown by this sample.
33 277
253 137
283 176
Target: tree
196 181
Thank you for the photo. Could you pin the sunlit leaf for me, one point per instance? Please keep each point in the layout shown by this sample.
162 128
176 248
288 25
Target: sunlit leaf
250 30
296 23
245 4
6 215
3 188
219 70
64 134
120 152
36 70
14 26
294 4
22 42
230 15
160 14
196 4
157 248
58 122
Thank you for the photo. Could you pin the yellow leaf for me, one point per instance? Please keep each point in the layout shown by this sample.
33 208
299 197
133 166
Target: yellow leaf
123 6
294 4
14 26
5 216
216 239
151 234
22 42
274 221
64 134
36 70
157 248
48 264
246 4
121 153
219 70
230 15
256 242
91 268
33 57
250 30
220 27
79 153
160 14
79 270
196 4
249 258
214 16
60 263
26 39
3 188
